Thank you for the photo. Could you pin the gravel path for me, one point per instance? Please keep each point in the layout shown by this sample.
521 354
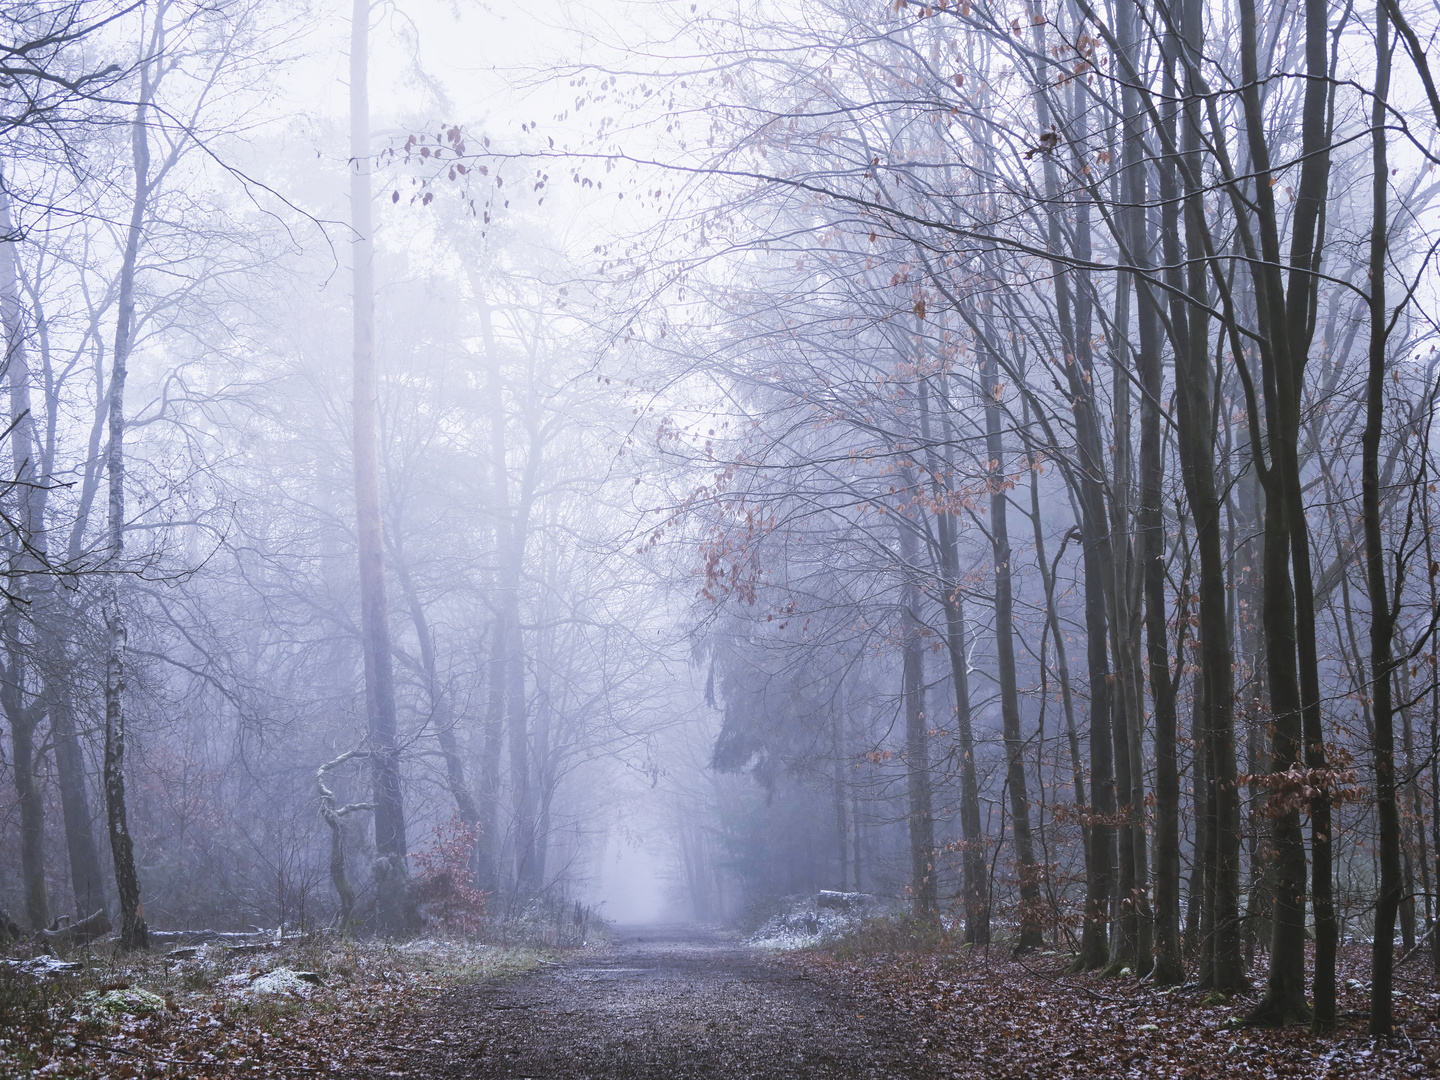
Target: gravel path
665 1005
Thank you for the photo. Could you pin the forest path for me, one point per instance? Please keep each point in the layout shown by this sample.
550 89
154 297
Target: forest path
664 1004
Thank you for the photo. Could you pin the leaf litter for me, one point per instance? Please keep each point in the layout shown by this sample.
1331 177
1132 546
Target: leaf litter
994 1016
212 1011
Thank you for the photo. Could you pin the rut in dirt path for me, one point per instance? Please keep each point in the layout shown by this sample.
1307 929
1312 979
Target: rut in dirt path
666 1005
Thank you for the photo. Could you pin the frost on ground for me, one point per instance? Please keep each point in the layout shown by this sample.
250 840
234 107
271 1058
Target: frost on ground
808 921
295 1007
276 981
109 1005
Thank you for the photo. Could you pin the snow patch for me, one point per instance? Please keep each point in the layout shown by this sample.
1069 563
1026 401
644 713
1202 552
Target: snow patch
276 982
814 920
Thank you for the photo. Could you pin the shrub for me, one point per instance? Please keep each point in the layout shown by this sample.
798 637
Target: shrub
444 888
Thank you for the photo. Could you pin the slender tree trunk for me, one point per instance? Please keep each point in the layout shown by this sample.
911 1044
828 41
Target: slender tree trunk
1052 618
512 528
1382 616
924 890
1225 967
1150 573
391 868
32 807
1169 963
975 881
1252 647
503 626
521 779
1197 912
1416 806
1307 241
1286 324
1031 923
1075 335
86 874
842 839
442 718
487 875
24 570
87 877
134 934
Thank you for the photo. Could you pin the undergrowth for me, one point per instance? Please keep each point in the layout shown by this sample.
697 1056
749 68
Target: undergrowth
215 1021
888 935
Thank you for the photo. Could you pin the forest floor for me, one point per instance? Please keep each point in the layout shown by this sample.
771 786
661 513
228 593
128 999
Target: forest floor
314 1007
683 1004
991 1016
673 1003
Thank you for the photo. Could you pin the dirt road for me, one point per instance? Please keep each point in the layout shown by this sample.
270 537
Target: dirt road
665 1005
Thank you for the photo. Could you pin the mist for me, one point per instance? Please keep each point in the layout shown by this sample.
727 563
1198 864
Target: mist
501 474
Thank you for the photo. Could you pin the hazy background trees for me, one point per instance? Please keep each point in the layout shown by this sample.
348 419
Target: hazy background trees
977 455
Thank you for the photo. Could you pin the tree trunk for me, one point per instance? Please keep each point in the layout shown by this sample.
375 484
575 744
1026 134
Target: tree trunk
842 845
134 934
1382 616
391 868
924 891
1169 963
1150 574
1031 922
87 878
974 880
442 717
487 874
1223 963
1076 333
23 573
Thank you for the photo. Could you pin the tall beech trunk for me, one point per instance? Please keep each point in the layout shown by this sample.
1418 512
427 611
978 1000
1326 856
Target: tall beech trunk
1072 284
487 872
1306 244
1052 618
1382 612
1251 640
1169 964
512 530
1150 928
87 875
489 854
997 482
48 609
134 934
1285 318
924 886
27 788
1222 963
23 574
391 868
974 879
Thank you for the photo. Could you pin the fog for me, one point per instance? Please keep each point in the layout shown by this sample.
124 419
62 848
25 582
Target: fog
466 465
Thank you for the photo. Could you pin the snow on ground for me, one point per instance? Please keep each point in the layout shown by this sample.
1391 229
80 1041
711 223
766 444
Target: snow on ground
814 920
277 981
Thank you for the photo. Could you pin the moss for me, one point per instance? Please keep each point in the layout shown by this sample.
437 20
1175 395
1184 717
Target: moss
113 1004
